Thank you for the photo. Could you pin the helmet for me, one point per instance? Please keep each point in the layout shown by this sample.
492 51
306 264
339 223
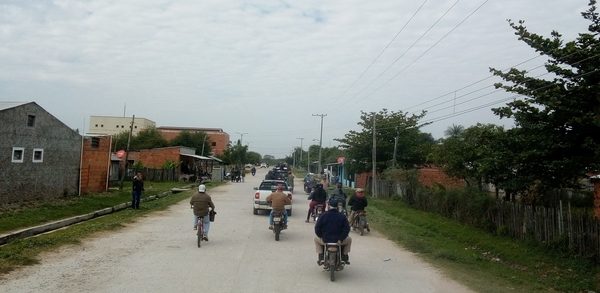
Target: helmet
201 188
333 201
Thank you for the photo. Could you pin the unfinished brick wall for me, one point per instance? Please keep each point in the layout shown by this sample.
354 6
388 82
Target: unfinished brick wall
156 158
431 176
95 164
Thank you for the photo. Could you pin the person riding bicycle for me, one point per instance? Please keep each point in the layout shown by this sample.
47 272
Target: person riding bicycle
332 227
357 203
200 202
278 200
317 196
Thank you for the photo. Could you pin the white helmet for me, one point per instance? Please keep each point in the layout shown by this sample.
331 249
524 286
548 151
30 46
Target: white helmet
201 188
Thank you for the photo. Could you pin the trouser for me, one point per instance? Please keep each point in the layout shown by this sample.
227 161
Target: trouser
284 213
320 245
135 199
206 223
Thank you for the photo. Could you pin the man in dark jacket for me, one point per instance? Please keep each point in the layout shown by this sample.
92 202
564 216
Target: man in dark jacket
317 196
357 203
332 227
136 190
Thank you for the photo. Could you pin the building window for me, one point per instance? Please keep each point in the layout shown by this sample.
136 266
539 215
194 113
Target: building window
117 126
101 125
213 143
38 155
17 154
31 120
122 126
95 142
96 125
135 127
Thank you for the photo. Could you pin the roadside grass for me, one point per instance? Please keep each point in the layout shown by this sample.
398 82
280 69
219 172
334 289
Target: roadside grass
26 251
43 212
480 260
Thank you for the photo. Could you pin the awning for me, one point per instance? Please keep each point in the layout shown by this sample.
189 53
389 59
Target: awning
197 157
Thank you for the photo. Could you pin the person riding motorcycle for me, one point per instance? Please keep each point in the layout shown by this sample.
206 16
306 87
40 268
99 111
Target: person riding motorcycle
200 202
332 227
357 203
317 196
253 170
278 200
339 193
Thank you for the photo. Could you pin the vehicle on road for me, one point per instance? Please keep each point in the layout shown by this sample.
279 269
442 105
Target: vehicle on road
278 224
332 260
317 211
265 188
360 222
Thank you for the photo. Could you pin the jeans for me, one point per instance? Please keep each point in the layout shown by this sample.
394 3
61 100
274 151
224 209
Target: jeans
135 199
206 225
284 217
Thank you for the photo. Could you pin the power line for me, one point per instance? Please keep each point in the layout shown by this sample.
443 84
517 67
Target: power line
384 49
406 51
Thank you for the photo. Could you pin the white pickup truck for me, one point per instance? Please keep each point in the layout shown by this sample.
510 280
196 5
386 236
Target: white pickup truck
265 189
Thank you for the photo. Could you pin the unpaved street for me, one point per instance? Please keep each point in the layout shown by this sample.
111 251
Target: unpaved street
159 254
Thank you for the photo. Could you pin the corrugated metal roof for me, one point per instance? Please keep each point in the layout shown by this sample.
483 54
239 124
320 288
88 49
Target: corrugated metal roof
8 105
197 157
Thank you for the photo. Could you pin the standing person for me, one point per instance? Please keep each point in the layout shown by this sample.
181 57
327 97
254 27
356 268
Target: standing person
200 202
136 190
317 196
278 201
358 202
332 227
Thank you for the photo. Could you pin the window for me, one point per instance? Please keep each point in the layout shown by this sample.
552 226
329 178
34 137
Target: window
101 125
213 143
31 120
38 155
96 125
135 127
17 154
95 142
122 126
117 126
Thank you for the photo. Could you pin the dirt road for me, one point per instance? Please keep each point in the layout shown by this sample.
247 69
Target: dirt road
159 254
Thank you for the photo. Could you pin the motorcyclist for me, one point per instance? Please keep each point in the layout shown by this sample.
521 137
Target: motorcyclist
200 202
339 193
278 200
253 170
357 203
332 227
317 196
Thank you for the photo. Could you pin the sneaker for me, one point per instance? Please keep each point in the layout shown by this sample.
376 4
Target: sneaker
205 238
346 259
271 227
306 221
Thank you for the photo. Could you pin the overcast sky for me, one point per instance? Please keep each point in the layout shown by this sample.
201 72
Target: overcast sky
264 67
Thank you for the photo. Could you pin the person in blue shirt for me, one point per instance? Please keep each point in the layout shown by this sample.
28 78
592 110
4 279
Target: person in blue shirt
332 227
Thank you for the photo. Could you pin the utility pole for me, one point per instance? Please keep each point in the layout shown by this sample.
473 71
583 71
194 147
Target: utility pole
127 153
320 141
300 160
374 158
294 158
241 136
395 147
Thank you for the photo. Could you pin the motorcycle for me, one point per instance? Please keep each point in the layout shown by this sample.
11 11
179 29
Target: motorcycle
360 222
278 224
317 211
332 259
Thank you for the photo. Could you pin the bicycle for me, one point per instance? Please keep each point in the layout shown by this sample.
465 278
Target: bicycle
200 230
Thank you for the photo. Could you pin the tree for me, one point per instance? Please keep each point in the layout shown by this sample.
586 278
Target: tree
197 140
253 157
412 146
454 130
148 138
236 155
557 122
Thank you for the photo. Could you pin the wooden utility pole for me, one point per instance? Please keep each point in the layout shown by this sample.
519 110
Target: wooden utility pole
320 142
374 159
395 147
127 153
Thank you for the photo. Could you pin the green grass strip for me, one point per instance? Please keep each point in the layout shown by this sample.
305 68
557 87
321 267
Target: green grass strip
480 260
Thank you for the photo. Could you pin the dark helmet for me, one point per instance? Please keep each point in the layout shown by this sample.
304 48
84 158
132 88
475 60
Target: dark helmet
333 201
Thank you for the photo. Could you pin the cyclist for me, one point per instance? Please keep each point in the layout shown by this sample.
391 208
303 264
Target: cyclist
200 202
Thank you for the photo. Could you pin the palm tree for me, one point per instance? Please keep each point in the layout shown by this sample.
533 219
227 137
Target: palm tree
454 130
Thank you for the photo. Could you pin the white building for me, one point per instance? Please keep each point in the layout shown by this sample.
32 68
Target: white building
112 125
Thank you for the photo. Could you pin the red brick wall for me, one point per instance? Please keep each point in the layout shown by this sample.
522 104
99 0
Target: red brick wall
155 158
95 165
221 139
361 179
431 176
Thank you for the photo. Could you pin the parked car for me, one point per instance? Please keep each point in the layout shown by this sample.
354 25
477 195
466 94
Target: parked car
264 165
265 189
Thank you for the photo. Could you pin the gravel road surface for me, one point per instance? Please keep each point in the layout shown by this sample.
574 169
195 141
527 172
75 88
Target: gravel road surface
158 253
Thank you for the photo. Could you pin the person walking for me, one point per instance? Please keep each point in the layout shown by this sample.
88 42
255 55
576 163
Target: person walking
201 202
136 190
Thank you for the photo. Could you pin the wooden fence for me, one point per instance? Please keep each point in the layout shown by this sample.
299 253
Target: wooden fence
161 174
561 226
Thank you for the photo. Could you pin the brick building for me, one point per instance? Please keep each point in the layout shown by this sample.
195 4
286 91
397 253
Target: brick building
95 164
428 177
219 139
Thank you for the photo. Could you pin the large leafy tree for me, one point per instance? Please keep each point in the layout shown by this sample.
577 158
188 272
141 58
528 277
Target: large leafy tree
412 146
236 155
557 133
197 140
146 139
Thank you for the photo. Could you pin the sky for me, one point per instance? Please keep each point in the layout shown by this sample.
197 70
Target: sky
264 68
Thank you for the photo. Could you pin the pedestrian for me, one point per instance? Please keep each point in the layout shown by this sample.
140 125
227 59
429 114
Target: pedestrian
136 190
